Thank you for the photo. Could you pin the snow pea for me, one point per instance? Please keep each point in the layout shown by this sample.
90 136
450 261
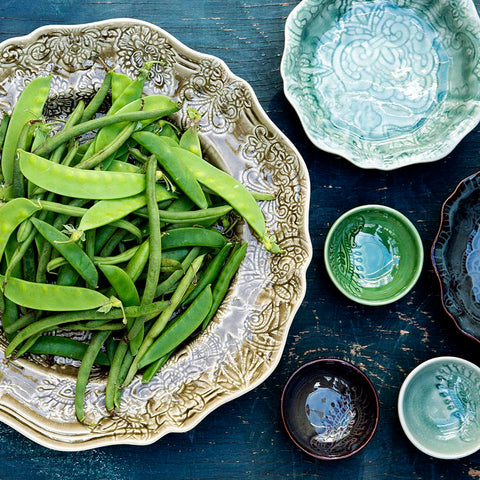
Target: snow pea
12 214
179 329
120 82
29 106
75 256
122 284
48 296
190 141
178 172
225 186
132 91
192 236
72 182
108 211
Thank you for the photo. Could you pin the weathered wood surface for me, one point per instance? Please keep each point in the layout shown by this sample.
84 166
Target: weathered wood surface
245 438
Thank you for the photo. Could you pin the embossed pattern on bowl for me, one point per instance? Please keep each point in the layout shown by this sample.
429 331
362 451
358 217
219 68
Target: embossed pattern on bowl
384 83
245 340
330 409
373 254
439 409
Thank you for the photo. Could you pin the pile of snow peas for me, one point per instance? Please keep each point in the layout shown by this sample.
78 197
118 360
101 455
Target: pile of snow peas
113 225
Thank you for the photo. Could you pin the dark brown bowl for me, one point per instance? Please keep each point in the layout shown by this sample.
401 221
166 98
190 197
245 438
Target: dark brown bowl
456 256
330 409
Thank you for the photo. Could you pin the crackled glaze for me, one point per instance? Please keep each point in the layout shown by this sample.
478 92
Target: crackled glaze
244 342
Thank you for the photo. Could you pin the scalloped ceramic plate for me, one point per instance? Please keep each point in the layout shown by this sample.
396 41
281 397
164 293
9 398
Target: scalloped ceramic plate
384 83
456 255
244 343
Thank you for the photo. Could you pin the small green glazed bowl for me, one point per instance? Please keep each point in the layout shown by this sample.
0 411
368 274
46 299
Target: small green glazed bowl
384 83
373 254
438 407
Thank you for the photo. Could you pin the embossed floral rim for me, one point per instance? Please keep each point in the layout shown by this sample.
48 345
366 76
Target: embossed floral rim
451 119
244 342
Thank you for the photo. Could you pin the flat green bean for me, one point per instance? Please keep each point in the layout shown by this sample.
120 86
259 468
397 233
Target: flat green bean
29 106
73 182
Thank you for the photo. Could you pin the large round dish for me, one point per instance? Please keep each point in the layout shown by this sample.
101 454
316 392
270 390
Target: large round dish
244 343
384 83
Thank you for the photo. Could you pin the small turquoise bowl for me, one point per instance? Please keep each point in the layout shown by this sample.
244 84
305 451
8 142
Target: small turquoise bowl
384 83
439 407
373 254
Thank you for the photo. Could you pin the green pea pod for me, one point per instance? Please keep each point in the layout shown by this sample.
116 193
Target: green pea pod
108 211
120 82
122 284
190 141
48 296
93 349
192 236
137 263
231 190
3 129
97 100
167 158
132 91
160 103
29 106
65 347
223 281
12 214
210 274
72 182
75 256
179 329
143 116
160 323
121 166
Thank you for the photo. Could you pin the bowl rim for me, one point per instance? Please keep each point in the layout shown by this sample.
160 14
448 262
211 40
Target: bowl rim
444 221
343 363
409 226
401 399
375 162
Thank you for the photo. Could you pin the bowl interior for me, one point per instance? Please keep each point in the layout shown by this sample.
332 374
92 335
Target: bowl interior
330 409
384 83
439 409
373 254
456 255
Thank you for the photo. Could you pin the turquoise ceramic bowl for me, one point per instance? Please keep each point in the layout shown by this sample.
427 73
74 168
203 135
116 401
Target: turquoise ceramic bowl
373 254
439 407
384 83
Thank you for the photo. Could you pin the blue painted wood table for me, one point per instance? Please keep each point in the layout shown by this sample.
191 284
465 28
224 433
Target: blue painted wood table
245 438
